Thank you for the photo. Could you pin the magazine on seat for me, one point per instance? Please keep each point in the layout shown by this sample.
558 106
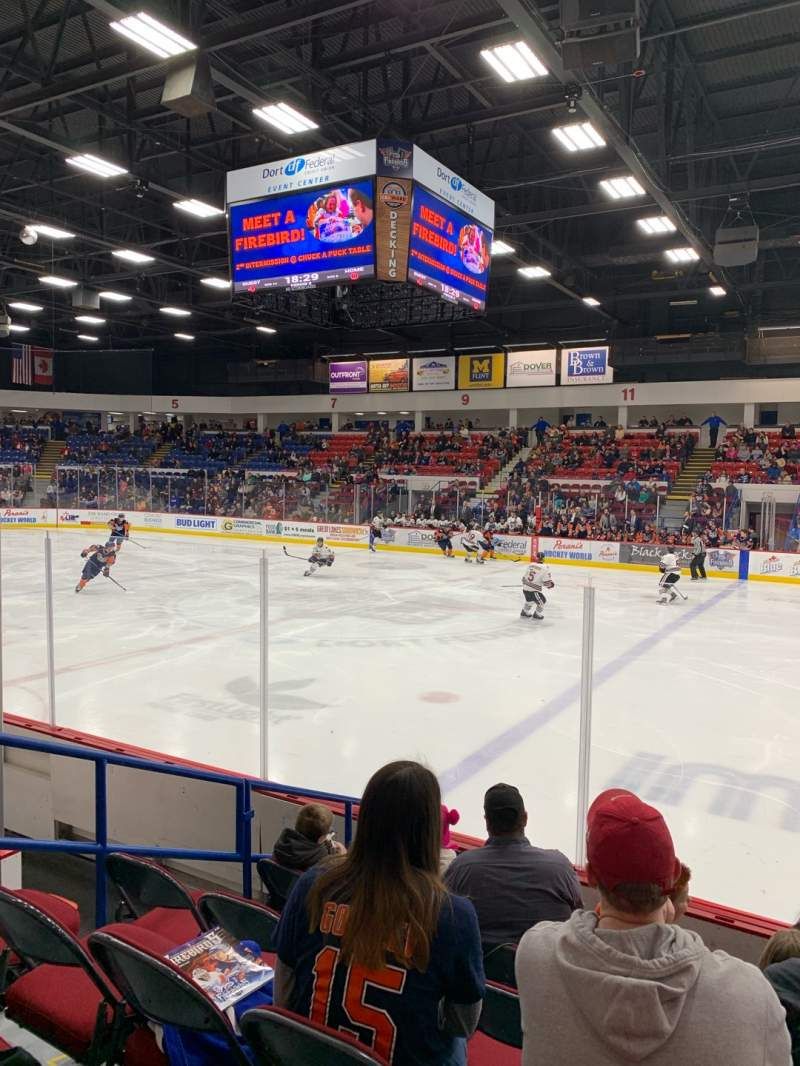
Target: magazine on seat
225 968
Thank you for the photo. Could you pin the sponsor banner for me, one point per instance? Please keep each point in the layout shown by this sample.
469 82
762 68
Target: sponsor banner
775 564
508 545
586 366
149 521
416 538
392 228
253 526
450 187
327 167
579 551
23 516
395 159
434 373
349 377
389 375
481 371
525 370
192 522
650 554
297 529
347 533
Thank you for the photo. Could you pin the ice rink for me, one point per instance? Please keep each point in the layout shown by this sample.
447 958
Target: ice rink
393 655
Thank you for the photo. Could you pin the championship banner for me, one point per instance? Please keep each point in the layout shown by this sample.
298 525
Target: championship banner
586 366
435 373
392 228
481 371
528 369
344 378
389 375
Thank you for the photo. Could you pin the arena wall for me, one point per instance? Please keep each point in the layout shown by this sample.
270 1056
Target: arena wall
724 563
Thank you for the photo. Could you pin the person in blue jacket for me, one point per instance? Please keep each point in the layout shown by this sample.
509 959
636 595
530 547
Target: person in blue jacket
714 422
539 428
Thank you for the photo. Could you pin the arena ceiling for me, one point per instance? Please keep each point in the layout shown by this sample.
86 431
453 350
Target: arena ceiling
708 112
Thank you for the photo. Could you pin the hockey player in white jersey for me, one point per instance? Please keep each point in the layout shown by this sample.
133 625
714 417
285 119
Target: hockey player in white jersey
376 531
536 577
469 542
670 576
322 555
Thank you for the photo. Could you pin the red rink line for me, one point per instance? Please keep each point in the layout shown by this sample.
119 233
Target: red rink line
155 649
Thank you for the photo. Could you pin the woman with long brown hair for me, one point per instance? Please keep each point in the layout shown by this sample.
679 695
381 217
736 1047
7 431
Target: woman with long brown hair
373 943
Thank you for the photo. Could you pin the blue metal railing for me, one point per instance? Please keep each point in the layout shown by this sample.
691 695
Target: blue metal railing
243 851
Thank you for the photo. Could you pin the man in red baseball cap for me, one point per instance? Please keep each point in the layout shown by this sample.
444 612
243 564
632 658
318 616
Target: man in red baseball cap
622 984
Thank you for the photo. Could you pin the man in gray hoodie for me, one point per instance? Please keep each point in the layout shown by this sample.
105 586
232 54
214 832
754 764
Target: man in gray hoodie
622 985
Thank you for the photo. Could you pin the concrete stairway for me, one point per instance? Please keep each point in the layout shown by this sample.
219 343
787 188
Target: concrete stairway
698 463
158 455
502 475
51 453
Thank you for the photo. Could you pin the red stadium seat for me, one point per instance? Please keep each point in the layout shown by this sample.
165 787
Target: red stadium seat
156 899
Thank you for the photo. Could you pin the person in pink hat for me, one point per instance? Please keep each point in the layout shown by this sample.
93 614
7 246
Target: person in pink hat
623 984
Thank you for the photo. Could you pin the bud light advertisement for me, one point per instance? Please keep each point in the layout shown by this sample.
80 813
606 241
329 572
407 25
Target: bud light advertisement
448 251
304 239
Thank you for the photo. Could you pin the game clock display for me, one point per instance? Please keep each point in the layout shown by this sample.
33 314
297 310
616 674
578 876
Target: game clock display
305 238
448 252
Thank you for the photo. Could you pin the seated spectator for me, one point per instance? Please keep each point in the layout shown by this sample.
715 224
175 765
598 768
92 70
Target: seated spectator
310 841
626 985
511 883
780 961
402 951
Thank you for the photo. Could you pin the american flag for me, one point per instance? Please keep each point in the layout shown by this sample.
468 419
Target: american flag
21 364
31 365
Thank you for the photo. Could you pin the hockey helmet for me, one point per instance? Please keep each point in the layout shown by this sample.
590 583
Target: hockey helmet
539 557
320 542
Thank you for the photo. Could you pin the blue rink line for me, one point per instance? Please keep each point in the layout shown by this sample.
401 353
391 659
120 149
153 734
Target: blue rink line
494 749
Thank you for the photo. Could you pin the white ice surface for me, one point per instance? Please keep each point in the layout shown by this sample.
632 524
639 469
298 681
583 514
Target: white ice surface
400 655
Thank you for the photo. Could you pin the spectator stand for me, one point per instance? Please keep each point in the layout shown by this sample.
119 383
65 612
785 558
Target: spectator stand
16 480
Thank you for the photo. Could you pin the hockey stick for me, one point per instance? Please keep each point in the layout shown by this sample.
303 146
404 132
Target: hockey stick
298 557
110 578
139 544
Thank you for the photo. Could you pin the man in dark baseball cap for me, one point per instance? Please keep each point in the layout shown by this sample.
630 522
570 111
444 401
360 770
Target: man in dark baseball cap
624 985
511 883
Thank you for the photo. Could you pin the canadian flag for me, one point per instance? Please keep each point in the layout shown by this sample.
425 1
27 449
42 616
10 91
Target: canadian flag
42 366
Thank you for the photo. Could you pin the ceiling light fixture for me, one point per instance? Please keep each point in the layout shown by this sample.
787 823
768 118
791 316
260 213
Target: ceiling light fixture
88 337
116 297
215 283
58 282
184 336
53 232
152 35
18 329
579 137
198 208
590 301
501 248
266 329
285 118
681 255
133 257
714 290
101 168
621 188
514 62
656 224
683 303
90 320
20 305
533 272
178 312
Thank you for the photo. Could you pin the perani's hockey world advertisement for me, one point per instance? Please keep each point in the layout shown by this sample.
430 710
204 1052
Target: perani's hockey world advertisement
313 237
448 252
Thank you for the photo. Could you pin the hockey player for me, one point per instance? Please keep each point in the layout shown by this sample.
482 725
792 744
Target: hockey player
444 539
120 529
670 576
376 531
99 558
320 556
486 544
469 542
536 577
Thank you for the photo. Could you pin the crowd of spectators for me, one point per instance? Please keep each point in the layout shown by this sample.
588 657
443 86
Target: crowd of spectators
619 980
754 456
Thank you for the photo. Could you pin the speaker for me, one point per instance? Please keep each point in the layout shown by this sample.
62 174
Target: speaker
736 245
599 31
188 89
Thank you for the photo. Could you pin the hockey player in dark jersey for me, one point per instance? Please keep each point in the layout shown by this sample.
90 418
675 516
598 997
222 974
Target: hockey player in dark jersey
444 539
99 558
486 545
120 529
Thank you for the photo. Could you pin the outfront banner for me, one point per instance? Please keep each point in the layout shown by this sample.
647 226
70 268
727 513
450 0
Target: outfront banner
527 369
350 377
586 366
481 371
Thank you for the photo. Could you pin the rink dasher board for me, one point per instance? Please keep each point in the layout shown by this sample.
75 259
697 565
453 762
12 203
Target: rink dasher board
725 563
